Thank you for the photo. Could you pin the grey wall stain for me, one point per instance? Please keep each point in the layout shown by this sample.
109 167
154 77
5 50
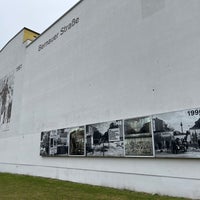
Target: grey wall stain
149 7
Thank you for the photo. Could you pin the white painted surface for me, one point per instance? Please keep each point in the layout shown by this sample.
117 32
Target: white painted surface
123 59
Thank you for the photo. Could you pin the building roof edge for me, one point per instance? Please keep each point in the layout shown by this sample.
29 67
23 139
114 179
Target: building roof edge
55 22
16 36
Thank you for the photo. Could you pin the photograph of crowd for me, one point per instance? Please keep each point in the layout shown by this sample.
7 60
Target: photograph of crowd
177 134
6 98
105 139
138 137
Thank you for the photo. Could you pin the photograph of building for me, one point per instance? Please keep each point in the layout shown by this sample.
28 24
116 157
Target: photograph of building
105 139
176 134
54 143
76 140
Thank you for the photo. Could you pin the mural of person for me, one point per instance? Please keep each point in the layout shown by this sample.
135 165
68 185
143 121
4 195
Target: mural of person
4 94
5 99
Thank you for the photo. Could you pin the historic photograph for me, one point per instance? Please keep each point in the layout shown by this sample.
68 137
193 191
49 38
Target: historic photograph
177 134
54 143
105 139
44 143
6 97
76 140
138 137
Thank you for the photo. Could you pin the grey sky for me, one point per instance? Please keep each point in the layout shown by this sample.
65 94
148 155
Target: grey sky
37 15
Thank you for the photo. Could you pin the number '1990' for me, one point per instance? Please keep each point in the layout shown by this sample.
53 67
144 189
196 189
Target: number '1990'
193 112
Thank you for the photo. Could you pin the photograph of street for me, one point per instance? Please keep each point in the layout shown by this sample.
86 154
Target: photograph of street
177 134
138 137
105 139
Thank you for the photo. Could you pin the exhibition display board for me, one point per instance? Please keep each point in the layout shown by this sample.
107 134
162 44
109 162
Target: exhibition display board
172 134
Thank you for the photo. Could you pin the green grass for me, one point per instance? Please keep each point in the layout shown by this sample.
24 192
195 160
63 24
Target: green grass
22 187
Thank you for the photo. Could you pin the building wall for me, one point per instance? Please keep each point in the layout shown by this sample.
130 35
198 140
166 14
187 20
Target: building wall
11 64
120 59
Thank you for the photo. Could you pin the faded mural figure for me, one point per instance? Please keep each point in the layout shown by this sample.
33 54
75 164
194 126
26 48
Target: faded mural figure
6 93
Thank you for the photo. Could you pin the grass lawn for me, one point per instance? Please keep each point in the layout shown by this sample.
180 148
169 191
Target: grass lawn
21 187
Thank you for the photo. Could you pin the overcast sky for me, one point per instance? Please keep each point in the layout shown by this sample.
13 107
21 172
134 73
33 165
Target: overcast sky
37 15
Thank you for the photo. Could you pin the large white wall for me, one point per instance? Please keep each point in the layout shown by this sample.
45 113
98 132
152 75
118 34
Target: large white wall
12 62
122 59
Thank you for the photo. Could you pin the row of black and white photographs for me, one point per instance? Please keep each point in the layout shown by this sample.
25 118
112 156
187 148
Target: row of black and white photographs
172 135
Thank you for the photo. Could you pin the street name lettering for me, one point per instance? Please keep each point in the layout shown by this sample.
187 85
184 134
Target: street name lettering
63 30
42 46
69 26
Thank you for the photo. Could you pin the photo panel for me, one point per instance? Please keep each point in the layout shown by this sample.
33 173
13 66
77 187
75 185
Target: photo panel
77 141
138 137
105 139
54 143
177 134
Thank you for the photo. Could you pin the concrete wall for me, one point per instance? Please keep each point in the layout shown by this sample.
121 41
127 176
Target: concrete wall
121 59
